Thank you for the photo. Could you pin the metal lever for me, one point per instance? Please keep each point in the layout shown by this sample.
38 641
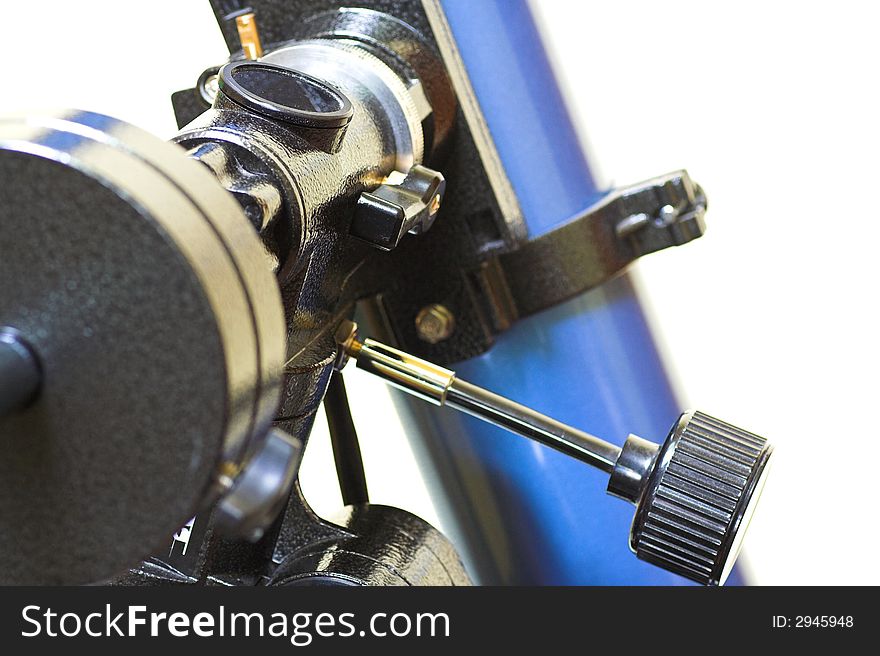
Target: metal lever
694 494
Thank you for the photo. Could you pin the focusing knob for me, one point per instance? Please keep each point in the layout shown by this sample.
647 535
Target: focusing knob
699 497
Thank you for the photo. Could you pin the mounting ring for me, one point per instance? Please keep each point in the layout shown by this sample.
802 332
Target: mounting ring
286 95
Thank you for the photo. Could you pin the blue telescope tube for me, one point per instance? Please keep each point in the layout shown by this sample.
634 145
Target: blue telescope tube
524 513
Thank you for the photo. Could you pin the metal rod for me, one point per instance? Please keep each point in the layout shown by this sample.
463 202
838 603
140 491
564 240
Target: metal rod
346 447
249 35
438 385
524 421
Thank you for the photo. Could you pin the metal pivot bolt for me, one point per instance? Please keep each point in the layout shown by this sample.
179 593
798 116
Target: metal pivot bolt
384 215
694 494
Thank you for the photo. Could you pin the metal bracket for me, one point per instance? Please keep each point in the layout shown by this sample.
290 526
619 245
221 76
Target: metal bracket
594 247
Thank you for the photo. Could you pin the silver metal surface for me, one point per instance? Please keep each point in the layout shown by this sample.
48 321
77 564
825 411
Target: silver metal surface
632 468
208 88
524 421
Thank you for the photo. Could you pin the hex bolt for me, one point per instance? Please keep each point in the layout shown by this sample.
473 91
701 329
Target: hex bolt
435 323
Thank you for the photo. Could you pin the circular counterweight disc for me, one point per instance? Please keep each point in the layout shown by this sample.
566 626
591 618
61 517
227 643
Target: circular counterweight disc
146 339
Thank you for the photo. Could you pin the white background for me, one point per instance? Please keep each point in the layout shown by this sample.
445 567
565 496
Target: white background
772 106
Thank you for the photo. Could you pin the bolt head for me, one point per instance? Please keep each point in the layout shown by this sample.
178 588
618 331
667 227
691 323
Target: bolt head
435 323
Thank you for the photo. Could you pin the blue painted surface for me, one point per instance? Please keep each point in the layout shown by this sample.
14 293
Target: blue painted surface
517 90
530 515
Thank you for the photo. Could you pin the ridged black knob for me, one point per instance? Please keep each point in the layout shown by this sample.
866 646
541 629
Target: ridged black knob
699 497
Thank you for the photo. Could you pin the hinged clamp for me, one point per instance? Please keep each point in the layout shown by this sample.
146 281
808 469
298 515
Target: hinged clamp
594 247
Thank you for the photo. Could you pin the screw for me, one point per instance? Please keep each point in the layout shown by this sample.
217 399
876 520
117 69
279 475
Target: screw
666 216
435 205
434 323
212 86
209 84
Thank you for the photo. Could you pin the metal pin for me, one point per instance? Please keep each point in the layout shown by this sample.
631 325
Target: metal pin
249 36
